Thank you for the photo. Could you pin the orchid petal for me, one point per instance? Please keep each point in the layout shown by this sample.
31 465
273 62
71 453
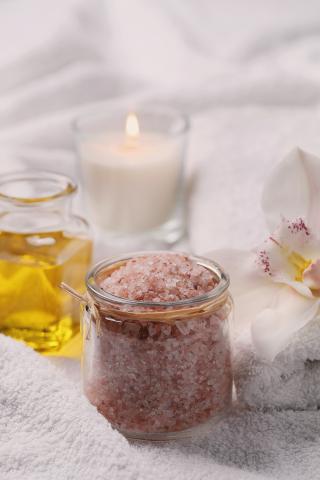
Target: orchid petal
293 190
272 260
252 291
248 305
281 257
273 327
311 276
299 287
296 234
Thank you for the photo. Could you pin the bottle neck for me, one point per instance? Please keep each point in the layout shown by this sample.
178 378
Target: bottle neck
47 216
33 201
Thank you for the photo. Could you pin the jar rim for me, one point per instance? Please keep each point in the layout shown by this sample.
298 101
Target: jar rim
95 112
94 289
61 186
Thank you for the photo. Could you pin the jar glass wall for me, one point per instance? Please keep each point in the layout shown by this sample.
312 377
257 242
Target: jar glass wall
42 243
157 370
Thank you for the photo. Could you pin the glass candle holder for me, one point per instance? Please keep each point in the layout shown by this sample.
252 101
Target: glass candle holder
157 370
132 171
42 243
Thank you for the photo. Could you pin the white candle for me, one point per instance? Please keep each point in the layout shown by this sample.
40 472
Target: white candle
132 178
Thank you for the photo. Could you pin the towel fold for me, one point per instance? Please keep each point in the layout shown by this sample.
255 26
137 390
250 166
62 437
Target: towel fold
53 130
45 420
290 381
74 85
54 64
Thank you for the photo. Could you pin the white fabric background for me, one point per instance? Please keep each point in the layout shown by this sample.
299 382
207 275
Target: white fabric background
247 72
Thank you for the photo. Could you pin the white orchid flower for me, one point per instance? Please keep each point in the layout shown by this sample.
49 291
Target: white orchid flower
276 288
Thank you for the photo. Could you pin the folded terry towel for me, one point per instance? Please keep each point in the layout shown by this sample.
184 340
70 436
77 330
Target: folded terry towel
291 380
49 431
47 428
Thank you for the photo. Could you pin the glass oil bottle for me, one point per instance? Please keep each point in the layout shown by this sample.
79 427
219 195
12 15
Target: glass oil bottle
42 243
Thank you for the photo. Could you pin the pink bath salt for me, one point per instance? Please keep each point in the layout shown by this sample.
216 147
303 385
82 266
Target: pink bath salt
169 379
161 277
149 376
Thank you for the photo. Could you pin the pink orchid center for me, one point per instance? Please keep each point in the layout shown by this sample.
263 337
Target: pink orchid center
297 261
300 265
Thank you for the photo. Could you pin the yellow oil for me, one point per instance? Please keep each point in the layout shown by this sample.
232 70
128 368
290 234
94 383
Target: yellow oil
32 306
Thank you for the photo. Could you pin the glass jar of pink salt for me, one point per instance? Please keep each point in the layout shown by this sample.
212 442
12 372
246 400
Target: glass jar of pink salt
156 356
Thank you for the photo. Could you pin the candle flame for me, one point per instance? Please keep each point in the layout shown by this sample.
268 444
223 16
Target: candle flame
132 126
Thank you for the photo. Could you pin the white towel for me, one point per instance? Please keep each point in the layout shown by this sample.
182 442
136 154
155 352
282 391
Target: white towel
48 430
291 381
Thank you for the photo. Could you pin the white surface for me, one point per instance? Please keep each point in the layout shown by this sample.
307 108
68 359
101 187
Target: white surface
248 72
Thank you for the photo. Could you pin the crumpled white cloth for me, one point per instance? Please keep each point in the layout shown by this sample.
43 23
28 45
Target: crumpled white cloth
268 57
52 65
39 37
236 148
